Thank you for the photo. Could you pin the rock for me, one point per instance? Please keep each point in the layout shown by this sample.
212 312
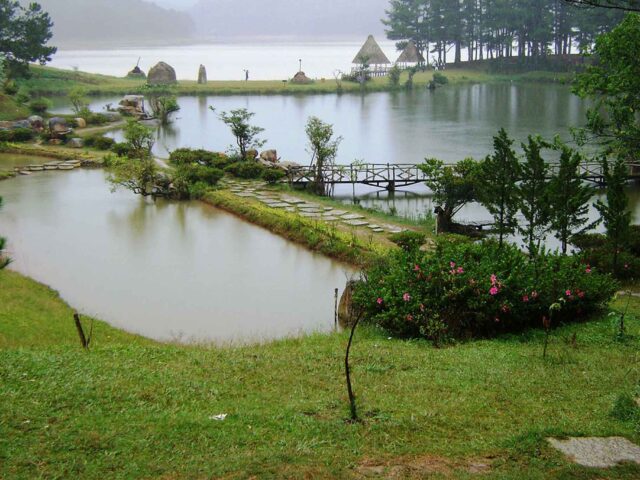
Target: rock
269 156
598 452
347 313
162 74
112 116
252 154
136 73
76 143
80 122
36 122
21 124
301 79
202 75
132 105
287 166
59 127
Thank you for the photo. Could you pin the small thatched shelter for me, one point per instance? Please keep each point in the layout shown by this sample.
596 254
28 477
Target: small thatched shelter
371 54
410 56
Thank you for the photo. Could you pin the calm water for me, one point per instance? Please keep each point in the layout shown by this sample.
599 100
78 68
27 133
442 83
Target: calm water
169 271
225 61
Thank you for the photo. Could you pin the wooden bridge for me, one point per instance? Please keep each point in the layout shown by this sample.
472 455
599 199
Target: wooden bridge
391 176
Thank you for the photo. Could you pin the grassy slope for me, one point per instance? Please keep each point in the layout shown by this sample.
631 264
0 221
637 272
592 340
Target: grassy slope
51 81
131 409
10 110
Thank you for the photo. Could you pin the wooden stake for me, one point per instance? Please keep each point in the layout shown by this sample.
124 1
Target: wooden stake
83 339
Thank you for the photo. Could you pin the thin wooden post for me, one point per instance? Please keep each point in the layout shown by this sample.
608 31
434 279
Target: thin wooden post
83 339
335 310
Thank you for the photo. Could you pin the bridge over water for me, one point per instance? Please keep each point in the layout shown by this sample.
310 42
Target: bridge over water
391 176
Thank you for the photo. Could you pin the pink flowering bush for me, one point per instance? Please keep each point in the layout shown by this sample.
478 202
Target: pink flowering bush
477 289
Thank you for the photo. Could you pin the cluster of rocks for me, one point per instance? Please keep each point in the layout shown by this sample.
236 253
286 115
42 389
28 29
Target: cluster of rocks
133 106
35 122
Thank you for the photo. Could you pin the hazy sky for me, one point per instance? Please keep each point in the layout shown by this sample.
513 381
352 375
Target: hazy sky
177 4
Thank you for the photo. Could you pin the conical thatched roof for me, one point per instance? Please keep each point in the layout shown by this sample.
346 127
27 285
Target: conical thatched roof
371 53
410 54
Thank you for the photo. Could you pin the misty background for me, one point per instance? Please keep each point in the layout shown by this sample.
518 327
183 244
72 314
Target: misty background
110 23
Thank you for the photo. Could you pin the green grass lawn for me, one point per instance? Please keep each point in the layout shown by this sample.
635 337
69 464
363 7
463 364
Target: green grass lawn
50 81
132 408
10 110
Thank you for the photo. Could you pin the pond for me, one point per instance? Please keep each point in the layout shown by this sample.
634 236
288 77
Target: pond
169 271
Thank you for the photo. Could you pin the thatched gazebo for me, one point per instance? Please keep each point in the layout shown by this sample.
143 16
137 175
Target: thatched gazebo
372 55
410 56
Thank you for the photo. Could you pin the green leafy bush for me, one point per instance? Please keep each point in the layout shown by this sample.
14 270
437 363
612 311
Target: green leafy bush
273 175
440 78
183 156
93 118
10 87
597 251
477 289
409 240
100 142
16 135
121 149
246 169
40 105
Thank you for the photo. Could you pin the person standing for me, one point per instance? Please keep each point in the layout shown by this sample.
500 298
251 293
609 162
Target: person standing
246 75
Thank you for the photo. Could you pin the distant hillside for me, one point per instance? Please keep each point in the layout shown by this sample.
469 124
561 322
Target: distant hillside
86 23
289 18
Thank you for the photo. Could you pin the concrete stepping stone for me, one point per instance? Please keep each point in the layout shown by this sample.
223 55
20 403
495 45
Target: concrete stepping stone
292 200
291 209
352 216
310 215
244 194
357 223
378 230
373 226
311 210
279 205
337 213
329 218
598 452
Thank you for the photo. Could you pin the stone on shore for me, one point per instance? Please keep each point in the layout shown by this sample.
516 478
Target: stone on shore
270 156
162 74
80 122
36 122
202 75
76 143
301 79
597 452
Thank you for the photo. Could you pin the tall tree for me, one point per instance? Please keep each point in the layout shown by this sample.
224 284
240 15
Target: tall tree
323 148
569 197
24 34
497 189
4 260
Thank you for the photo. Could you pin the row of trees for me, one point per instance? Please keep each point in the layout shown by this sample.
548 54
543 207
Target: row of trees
496 28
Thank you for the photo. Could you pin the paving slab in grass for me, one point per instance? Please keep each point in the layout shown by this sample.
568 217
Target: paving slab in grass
357 223
244 194
329 218
310 215
352 216
279 205
598 452
293 200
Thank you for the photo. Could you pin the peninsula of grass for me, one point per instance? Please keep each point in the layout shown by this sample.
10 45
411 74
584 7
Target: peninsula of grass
132 408
48 81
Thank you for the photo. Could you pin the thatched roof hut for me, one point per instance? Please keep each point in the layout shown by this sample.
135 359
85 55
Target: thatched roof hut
371 54
410 54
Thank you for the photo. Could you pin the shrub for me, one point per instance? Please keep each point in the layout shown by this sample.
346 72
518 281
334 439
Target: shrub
23 96
40 105
183 156
394 76
10 87
100 142
477 289
440 78
246 169
409 240
273 175
16 135
93 118
121 149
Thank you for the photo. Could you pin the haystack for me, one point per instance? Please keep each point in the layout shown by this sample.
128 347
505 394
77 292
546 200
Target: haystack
371 54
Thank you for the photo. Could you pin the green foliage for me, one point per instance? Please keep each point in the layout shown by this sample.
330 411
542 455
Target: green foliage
440 78
40 105
569 197
533 195
16 135
24 33
10 87
323 149
246 169
4 260
273 175
23 95
496 185
394 76
121 149
78 99
409 240
99 142
452 186
477 288
625 408
162 100
140 139
140 175
246 135
613 84
183 156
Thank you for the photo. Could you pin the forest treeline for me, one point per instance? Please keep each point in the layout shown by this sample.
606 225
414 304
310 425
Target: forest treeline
489 29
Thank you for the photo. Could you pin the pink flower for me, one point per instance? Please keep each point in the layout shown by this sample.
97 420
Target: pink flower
406 297
494 279
380 301
588 269
581 294
452 264
534 294
568 293
409 318
497 320
525 298
416 268
494 291
460 270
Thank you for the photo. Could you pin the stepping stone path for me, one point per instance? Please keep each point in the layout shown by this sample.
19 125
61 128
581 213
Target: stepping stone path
598 452
304 208
54 165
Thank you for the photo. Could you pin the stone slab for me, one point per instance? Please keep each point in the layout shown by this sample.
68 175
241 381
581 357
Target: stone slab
292 200
357 223
244 194
378 230
598 452
310 215
310 210
279 205
352 216
329 218
337 213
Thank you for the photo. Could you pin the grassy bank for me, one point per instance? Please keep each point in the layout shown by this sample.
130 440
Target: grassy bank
136 409
50 81
10 110
340 243
88 157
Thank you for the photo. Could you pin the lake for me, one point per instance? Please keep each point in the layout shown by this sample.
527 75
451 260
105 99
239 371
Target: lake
167 270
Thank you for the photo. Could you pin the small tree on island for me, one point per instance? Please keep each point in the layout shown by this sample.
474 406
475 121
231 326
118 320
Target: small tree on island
78 99
323 149
162 100
4 260
246 134
615 212
569 197
533 193
453 186
497 189
140 139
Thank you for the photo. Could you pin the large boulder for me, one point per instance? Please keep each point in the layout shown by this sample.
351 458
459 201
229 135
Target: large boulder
76 143
301 79
136 73
252 154
80 122
132 105
270 156
36 122
202 75
59 127
289 166
162 74
21 124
